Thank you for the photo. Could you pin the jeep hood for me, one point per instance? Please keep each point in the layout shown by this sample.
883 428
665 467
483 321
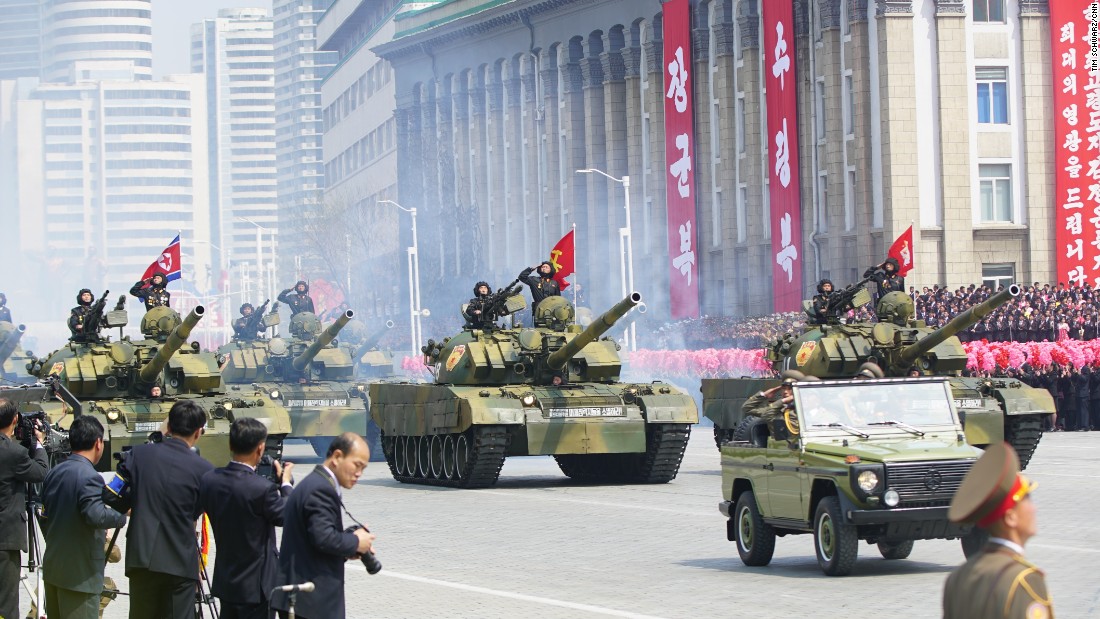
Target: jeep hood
895 450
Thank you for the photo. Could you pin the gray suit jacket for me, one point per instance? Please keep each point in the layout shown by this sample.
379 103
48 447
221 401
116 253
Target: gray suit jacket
17 468
76 519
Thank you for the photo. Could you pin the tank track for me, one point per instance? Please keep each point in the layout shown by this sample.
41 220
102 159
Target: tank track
1023 433
658 464
488 447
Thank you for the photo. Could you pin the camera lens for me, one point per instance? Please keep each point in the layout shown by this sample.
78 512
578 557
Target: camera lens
372 563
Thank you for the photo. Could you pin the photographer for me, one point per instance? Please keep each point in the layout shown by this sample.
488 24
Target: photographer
75 526
162 486
18 467
244 509
315 544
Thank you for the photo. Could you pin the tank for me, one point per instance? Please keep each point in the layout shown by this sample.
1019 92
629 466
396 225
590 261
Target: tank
115 381
310 373
494 395
992 409
13 359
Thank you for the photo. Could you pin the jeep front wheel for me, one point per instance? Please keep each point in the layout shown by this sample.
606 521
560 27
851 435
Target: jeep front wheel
836 543
755 538
895 551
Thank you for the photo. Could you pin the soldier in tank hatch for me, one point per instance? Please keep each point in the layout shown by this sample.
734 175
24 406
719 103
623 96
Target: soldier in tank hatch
542 284
297 298
152 291
820 302
5 313
886 277
78 316
478 313
247 327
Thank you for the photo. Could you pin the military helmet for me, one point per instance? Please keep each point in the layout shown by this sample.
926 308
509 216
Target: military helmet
248 305
821 285
896 307
81 293
792 376
478 286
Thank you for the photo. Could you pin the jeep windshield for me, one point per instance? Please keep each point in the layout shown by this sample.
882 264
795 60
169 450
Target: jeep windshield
871 407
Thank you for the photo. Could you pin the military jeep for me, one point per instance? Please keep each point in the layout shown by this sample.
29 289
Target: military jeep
875 460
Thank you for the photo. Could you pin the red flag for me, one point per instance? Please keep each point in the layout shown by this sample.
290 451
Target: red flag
562 257
168 262
902 251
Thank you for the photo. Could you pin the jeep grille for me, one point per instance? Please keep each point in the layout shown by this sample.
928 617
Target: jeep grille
926 484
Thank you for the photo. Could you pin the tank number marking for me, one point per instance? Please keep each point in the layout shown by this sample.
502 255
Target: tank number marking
146 426
968 403
591 411
321 402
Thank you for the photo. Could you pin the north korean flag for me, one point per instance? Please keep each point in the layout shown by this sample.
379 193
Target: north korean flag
167 263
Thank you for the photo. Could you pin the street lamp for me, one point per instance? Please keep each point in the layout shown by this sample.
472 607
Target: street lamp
626 250
414 281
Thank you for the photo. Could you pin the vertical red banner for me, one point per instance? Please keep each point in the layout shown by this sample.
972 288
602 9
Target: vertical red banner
679 152
783 189
1073 33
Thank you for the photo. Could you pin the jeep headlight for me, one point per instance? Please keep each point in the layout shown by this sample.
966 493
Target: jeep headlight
868 481
891 498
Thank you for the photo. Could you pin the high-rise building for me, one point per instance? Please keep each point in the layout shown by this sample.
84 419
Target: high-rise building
235 54
299 69
75 32
20 38
103 175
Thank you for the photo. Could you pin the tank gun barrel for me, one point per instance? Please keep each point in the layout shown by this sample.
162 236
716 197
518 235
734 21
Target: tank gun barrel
8 347
324 339
965 320
372 341
176 339
605 321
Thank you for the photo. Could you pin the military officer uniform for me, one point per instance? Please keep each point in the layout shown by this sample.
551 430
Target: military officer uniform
152 291
998 581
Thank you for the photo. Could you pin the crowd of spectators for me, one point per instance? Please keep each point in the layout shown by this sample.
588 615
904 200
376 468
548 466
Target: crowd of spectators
1040 313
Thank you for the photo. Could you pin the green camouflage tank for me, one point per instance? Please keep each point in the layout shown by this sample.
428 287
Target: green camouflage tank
114 381
309 373
13 359
992 409
495 395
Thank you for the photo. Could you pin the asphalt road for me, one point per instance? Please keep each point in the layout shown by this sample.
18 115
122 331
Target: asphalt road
538 545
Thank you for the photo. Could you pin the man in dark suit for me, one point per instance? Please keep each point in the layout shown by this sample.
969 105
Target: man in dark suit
162 555
75 526
17 468
244 510
315 544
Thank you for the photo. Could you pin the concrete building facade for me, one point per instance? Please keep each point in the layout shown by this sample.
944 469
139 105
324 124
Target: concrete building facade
20 38
235 54
75 32
935 113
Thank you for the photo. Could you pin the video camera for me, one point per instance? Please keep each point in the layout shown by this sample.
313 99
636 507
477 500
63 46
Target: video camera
56 440
266 469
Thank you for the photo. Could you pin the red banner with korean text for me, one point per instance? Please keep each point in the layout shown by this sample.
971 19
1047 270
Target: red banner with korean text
783 192
679 152
1073 32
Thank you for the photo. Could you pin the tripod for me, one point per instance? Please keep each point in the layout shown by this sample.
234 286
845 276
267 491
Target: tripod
34 552
203 595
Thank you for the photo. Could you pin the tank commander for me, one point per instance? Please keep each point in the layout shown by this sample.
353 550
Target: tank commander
297 298
542 284
79 315
997 581
152 291
5 313
479 313
886 277
250 325
820 302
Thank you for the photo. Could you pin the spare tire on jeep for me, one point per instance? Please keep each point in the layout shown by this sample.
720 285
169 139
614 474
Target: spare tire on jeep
753 430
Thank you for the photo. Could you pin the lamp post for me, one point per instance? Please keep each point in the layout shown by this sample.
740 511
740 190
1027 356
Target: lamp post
626 250
414 281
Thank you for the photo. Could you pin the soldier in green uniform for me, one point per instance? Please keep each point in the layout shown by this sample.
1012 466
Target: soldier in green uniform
997 581
770 404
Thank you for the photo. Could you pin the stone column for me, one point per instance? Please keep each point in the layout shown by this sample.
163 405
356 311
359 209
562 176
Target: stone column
870 243
615 155
655 244
494 170
530 182
572 139
479 161
598 240
445 176
703 164
549 122
830 154
514 206
759 265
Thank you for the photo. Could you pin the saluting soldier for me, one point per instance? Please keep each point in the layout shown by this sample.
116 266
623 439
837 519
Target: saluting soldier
997 581
297 298
152 291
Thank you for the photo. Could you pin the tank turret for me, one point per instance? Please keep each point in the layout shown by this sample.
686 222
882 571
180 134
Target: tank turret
371 341
324 339
906 356
605 321
11 342
176 338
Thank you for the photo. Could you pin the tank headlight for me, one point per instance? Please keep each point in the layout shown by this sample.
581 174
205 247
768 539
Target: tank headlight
113 415
228 406
362 388
528 399
274 394
891 498
868 481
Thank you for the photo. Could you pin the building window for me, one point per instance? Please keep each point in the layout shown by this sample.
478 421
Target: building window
740 125
849 107
742 201
992 95
822 202
996 192
850 202
845 25
996 275
989 11
819 104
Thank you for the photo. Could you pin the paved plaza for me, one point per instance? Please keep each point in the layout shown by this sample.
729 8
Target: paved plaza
538 545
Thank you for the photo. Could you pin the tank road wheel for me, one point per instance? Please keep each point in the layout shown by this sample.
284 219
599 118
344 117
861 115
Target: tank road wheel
462 457
488 445
836 543
755 538
1023 433
423 457
449 457
410 456
973 541
894 552
399 456
435 450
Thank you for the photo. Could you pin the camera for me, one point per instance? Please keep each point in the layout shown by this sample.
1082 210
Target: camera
266 469
55 441
370 561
